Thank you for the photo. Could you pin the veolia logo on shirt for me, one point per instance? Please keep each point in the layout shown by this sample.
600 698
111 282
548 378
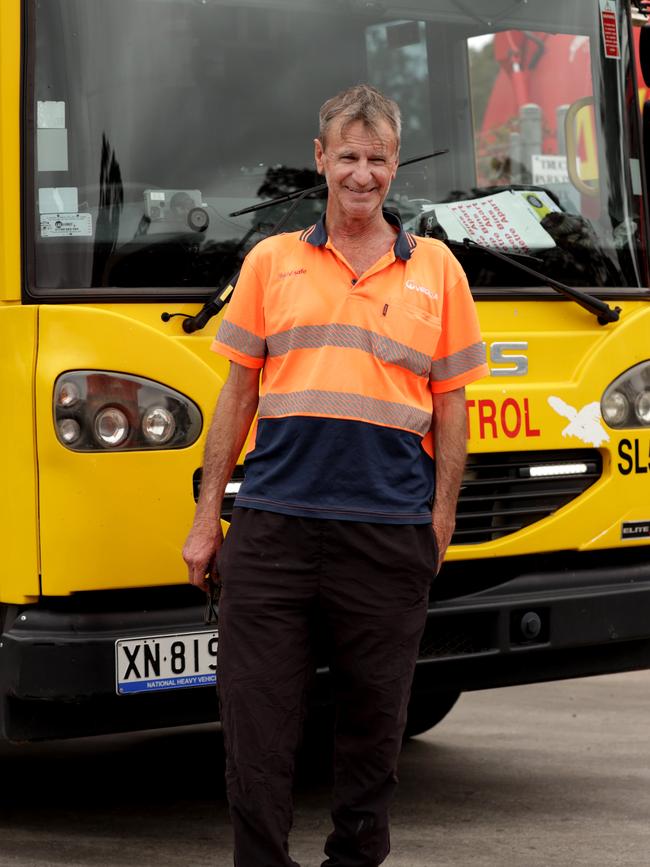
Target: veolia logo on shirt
294 273
415 287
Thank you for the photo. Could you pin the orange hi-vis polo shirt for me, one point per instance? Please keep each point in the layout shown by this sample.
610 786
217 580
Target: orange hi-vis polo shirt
349 369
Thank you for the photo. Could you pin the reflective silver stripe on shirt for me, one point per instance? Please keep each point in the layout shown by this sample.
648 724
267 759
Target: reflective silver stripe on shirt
242 340
460 362
350 337
345 405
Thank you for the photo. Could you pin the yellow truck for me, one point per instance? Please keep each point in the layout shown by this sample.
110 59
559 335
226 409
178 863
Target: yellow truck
132 136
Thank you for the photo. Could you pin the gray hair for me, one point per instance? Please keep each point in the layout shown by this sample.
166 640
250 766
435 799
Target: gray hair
361 102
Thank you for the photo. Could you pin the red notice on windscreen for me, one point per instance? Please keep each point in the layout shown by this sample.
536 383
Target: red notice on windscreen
609 24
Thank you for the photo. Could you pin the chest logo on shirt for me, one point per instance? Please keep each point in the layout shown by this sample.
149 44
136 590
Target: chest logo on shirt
415 287
296 272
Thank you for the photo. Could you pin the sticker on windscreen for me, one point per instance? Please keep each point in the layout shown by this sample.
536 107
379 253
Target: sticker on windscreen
609 24
66 225
54 201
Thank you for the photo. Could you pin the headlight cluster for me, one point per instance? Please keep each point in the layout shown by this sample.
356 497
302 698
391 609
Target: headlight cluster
626 403
97 410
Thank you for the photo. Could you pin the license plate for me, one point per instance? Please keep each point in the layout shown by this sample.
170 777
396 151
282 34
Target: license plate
161 662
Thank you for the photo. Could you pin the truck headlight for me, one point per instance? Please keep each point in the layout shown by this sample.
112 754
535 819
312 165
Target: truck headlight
111 426
642 407
615 408
69 430
626 402
158 425
98 410
68 393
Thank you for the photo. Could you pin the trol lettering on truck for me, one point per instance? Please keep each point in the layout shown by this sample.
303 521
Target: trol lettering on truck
132 136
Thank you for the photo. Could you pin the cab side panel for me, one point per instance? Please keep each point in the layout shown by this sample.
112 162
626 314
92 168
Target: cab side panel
117 519
19 566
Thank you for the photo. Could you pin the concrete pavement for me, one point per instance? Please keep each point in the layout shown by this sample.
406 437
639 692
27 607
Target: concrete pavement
544 775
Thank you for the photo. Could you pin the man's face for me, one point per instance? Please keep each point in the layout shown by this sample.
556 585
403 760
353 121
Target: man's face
359 165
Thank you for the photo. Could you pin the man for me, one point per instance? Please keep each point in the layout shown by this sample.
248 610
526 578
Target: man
366 337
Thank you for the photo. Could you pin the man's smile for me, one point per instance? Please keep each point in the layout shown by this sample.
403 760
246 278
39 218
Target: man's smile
359 192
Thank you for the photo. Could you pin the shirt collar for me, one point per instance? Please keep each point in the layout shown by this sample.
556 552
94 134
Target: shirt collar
316 235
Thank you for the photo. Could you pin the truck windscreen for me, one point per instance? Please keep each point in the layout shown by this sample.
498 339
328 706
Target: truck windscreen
149 122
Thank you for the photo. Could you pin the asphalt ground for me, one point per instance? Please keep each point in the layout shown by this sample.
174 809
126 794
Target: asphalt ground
551 774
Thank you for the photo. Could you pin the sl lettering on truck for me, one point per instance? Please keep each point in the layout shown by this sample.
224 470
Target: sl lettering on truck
634 457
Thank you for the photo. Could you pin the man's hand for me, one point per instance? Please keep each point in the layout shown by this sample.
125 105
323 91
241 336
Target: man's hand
443 528
200 553
231 422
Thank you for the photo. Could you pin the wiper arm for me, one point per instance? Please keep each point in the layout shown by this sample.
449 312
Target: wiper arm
601 310
219 300
320 188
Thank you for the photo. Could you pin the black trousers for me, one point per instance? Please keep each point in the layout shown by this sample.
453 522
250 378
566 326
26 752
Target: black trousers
369 583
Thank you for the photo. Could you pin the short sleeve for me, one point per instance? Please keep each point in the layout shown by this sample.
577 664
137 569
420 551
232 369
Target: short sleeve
460 354
241 336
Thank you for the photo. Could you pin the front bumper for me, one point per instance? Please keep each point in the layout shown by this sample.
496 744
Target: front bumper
57 664
536 618
518 620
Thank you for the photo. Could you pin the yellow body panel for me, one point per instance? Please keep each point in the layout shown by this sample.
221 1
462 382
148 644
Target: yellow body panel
18 461
19 579
120 519
117 519
10 151
573 358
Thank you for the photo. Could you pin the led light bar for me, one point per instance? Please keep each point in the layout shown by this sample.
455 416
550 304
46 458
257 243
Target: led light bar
233 488
550 470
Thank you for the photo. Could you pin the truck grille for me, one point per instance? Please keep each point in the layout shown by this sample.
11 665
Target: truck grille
503 492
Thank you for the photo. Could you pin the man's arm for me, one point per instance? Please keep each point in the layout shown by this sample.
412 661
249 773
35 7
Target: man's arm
233 416
449 425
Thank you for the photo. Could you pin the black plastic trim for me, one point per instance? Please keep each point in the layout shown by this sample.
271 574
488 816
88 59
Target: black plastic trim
33 295
138 295
27 155
638 148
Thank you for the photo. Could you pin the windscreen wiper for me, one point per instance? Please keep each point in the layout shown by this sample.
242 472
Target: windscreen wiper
320 188
218 301
601 310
